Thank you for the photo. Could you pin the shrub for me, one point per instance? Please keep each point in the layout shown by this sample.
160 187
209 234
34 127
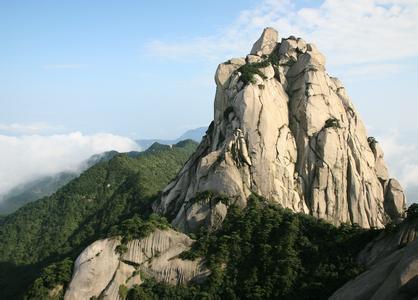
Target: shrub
137 228
372 141
51 276
412 211
227 111
332 123
209 197
249 70
121 249
123 291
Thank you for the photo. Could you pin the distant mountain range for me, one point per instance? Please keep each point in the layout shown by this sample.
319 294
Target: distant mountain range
85 209
47 185
192 134
32 190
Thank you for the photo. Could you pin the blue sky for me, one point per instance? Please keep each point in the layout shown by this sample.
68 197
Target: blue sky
144 69
83 65
96 66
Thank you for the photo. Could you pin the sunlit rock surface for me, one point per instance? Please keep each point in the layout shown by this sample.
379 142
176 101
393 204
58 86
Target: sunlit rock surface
290 134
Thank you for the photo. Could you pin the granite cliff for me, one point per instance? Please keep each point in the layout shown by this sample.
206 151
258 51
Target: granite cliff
284 129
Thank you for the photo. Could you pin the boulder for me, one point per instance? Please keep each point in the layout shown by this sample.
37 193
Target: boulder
93 270
251 59
380 166
395 201
99 270
266 43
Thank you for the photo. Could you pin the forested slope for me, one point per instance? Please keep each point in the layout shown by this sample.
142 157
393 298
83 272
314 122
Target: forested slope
60 226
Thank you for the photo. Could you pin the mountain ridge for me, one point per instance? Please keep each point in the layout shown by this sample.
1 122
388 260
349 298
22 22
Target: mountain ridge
195 134
54 228
46 185
285 161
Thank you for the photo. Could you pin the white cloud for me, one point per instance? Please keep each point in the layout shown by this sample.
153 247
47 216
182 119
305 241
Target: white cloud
26 157
360 38
402 159
368 71
19 128
233 40
350 32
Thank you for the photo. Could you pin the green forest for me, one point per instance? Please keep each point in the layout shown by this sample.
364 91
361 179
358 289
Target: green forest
47 234
267 252
261 252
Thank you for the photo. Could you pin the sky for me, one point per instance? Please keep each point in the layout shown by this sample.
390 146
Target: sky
88 73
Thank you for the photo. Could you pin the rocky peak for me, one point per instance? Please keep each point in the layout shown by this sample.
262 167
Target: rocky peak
266 43
286 130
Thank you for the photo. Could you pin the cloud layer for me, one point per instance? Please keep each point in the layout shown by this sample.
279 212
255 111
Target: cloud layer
402 159
20 128
26 157
362 39
350 32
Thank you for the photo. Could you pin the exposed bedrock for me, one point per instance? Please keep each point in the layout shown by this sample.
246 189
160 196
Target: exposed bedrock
284 129
99 270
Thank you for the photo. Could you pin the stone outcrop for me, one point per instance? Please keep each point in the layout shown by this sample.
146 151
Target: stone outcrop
286 130
394 278
392 261
394 199
99 270
266 43
389 241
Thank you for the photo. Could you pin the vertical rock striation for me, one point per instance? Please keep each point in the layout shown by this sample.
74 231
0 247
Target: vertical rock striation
99 270
284 129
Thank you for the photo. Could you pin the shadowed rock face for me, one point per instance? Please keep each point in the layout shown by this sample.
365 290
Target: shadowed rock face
393 278
388 242
284 129
392 262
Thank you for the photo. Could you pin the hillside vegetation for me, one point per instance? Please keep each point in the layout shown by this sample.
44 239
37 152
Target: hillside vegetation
261 252
267 252
47 185
57 228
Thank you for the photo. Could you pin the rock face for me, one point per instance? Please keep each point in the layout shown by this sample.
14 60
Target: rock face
266 43
394 278
99 271
394 199
392 273
388 242
286 130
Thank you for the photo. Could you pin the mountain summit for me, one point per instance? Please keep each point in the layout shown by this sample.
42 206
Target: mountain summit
285 138
284 129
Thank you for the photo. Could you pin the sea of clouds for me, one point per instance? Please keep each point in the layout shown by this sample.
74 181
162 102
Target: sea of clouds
25 157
